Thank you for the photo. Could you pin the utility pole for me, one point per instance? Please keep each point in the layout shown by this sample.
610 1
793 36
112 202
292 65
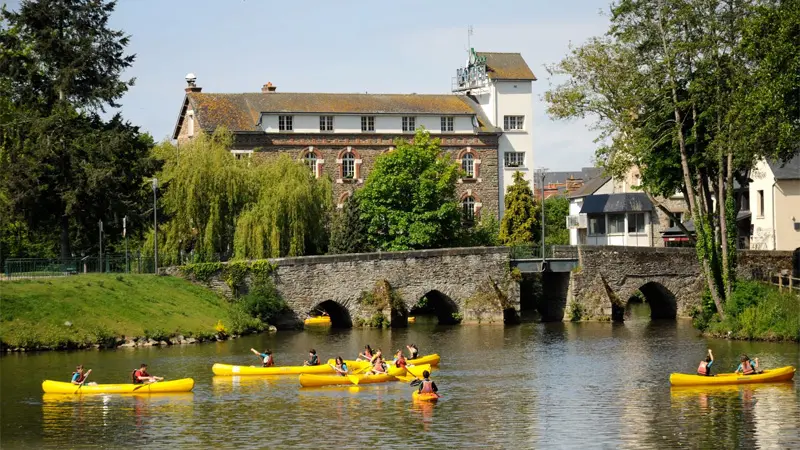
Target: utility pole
100 227
125 235
155 225
542 172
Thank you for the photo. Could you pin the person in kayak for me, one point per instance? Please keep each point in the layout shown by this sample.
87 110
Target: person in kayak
266 358
340 367
746 366
79 376
378 366
313 359
400 360
705 365
427 386
367 355
413 351
140 376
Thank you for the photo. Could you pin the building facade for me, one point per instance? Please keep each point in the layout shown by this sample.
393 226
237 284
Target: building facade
484 126
774 196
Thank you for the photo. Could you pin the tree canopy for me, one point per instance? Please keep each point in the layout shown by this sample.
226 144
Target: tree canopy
519 219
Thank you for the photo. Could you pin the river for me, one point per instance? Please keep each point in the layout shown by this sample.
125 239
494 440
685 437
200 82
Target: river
561 385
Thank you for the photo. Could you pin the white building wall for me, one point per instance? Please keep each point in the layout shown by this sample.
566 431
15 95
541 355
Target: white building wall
463 124
575 205
431 123
305 124
269 123
388 124
346 124
763 215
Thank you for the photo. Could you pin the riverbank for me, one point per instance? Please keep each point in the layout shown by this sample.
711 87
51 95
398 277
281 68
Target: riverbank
757 311
106 311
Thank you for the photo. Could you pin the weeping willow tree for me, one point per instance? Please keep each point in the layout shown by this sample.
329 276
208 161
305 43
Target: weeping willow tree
290 214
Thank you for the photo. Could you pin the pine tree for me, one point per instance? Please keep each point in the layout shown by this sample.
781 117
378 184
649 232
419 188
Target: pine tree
519 219
348 233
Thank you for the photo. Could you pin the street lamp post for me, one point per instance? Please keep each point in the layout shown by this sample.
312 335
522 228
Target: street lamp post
125 235
542 173
100 228
155 226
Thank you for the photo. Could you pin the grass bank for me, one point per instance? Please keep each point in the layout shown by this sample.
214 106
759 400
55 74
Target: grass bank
757 311
86 310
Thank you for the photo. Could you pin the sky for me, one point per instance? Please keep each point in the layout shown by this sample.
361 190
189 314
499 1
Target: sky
348 46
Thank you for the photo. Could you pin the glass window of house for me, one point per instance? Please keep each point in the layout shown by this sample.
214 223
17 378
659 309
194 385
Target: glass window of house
616 223
468 208
468 165
367 123
674 222
597 224
311 162
285 123
409 124
348 165
636 223
447 124
325 123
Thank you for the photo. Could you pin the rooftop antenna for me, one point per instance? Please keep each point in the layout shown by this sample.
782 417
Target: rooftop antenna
470 32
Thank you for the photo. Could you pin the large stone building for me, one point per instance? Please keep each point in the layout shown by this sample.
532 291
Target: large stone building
485 125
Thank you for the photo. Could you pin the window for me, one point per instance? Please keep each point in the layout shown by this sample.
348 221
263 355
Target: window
673 222
635 223
311 161
744 202
616 223
468 165
760 203
513 122
348 165
242 154
468 208
447 124
325 123
409 124
367 123
597 224
285 123
514 159
190 124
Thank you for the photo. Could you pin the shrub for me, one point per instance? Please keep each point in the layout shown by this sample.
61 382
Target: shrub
263 301
156 334
575 311
243 323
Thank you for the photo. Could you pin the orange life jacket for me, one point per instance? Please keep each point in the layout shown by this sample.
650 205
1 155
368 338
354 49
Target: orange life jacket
427 387
703 368
747 369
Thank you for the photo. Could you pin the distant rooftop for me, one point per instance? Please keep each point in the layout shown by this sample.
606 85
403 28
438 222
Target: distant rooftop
788 170
507 66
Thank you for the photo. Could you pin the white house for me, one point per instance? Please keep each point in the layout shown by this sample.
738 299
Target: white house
775 205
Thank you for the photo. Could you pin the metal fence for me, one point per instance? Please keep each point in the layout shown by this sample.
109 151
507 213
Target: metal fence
534 251
59 267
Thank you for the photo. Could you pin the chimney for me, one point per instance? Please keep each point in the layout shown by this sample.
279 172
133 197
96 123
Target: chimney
191 85
267 88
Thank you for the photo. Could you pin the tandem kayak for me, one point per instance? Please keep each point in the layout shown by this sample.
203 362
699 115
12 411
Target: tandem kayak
59 387
311 380
768 376
410 370
227 369
426 397
318 320
433 360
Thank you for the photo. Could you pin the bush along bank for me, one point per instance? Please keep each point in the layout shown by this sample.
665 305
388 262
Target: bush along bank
756 311
107 311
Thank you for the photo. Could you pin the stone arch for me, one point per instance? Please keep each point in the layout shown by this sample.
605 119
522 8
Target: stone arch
339 314
349 152
475 161
663 302
312 154
477 204
439 304
342 198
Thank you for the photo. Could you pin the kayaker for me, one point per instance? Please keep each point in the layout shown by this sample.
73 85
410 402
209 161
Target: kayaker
427 386
400 360
340 367
140 376
413 351
378 366
79 376
746 366
367 355
266 358
378 354
705 365
313 359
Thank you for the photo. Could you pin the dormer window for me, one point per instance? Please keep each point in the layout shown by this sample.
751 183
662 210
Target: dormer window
285 123
409 124
325 123
447 124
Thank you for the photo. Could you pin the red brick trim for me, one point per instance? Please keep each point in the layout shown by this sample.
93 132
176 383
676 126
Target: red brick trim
474 195
476 162
320 161
342 198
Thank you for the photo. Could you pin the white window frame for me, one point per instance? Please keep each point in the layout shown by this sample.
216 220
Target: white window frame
617 229
240 154
325 123
349 165
636 219
285 123
468 208
409 124
468 165
311 160
448 124
511 158
367 124
679 216
597 221
514 123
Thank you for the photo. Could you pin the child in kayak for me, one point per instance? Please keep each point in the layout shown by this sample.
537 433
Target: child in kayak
140 376
79 376
427 386
413 351
705 365
313 359
378 366
400 360
340 367
367 355
746 366
266 357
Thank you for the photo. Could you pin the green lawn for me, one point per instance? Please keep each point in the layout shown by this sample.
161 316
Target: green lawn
102 307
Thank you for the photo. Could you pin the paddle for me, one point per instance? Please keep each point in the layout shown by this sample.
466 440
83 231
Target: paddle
148 384
417 370
83 381
353 379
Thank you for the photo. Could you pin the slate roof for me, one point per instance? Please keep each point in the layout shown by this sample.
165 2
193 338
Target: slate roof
614 203
590 187
561 178
675 231
507 66
789 170
242 112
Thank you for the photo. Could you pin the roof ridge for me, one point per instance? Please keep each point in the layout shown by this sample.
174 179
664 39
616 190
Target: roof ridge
327 93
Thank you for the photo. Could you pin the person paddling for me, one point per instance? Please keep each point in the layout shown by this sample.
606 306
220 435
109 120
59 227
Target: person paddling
266 358
340 367
79 376
705 365
427 386
140 376
400 360
746 366
367 355
378 366
413 351
313 359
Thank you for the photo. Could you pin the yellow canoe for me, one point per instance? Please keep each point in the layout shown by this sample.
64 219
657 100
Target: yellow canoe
412 319
311 380
318 320
229 370
433 360
768 376
59 387
427 397
411 370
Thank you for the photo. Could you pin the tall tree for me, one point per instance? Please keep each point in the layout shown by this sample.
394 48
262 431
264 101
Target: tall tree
556 210
408 201
519 219
348 233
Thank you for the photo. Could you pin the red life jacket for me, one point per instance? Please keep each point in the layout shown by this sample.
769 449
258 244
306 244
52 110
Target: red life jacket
139 373
81 377
427 387
703 368
401 362
747 369
268 362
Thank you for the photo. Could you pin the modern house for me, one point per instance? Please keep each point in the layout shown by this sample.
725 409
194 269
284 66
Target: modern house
484 125
775 197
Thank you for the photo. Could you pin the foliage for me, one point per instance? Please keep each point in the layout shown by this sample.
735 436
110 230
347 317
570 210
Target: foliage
263 302
575 311
519 220
408 200
556 210
201 271
261 270
234 273
483 234
759 311
348 231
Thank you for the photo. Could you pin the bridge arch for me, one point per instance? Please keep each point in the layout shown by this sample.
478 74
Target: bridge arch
439 304
339 314
663 302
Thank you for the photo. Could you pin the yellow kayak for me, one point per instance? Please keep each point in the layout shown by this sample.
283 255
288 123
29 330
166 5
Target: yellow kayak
410 370
311 380
227 369
412 319
318 320
433 360
768 376
427 397
58 387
